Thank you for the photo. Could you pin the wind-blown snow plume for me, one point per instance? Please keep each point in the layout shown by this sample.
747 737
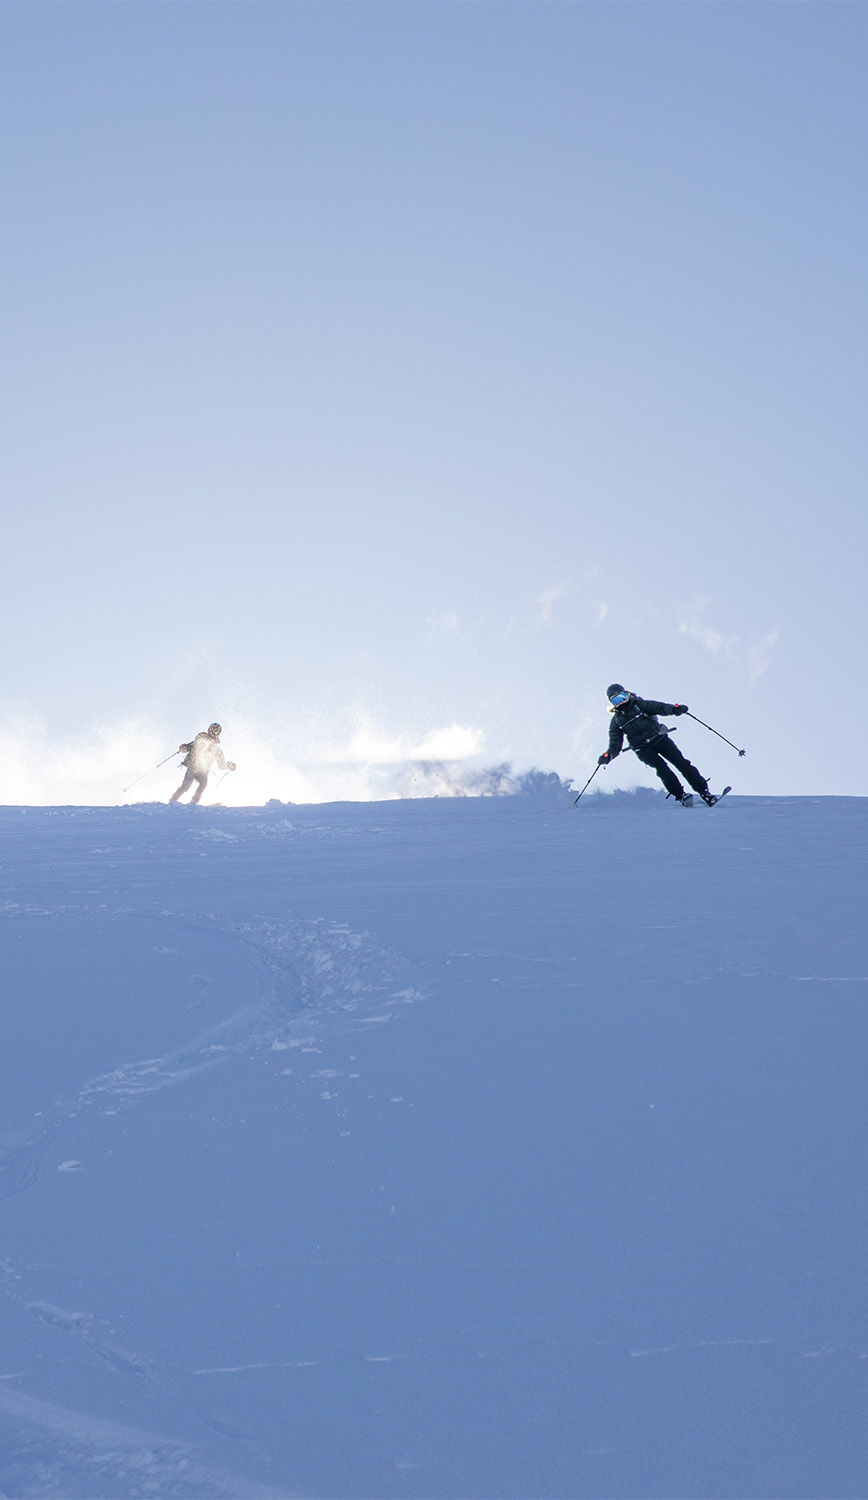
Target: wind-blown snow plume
113 764
89 769
454 779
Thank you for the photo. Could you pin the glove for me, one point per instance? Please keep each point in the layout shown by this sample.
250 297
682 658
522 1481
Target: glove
604 759
230 765
680 708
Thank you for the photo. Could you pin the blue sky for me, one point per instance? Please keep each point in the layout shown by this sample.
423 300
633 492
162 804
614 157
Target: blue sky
385 380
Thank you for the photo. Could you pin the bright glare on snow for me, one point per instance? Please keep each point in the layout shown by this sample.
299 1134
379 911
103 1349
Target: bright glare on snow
371 764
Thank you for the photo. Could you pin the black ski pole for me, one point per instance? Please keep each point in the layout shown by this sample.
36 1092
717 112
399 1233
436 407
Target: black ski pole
149 773
715 731
587 783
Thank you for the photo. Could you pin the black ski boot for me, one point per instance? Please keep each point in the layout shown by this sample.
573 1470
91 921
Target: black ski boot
709 798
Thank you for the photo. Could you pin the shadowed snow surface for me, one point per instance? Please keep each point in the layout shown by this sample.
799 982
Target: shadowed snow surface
460 1148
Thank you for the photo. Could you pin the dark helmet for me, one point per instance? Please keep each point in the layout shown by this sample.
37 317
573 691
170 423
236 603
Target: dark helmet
215 729
616 694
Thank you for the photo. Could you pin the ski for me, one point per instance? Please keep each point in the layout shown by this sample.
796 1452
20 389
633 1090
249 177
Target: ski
712 800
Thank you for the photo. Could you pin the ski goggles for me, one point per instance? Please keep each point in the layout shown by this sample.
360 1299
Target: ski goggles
618 699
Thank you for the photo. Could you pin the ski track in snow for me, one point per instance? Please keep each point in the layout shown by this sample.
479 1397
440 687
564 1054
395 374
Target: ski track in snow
67 1453
93 1332
173 1469
318 977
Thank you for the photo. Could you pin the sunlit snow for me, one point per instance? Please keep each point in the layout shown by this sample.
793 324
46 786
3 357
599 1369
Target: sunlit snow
473 1147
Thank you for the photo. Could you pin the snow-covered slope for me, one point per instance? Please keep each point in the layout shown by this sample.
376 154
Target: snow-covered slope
462 1148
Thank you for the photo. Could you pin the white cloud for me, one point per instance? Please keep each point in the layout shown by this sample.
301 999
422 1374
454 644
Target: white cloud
755 652
447 624
759 654
549 598
717 643
714 640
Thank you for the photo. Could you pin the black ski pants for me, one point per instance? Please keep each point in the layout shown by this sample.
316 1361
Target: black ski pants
665 750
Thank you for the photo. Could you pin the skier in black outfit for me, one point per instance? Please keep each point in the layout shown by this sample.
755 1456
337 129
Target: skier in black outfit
637 718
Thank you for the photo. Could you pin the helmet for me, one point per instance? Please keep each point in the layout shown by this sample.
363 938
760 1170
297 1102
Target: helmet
215 728
616 694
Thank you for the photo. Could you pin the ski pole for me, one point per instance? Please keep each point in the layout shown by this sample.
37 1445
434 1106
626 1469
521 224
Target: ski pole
715 731
222 779
149 773
587 783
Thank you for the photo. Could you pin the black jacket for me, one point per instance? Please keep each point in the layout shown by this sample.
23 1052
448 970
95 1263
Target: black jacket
637 718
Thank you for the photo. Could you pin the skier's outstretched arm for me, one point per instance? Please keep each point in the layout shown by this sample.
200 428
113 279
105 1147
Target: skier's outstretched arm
654 707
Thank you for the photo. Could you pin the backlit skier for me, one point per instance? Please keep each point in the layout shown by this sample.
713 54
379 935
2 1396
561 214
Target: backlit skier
636 718
202 753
